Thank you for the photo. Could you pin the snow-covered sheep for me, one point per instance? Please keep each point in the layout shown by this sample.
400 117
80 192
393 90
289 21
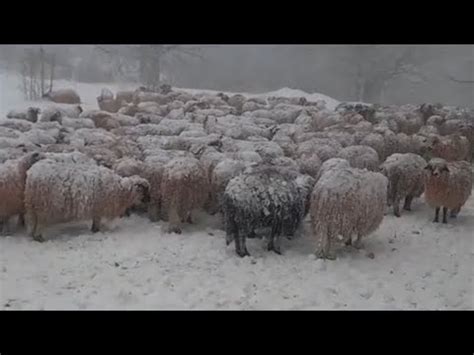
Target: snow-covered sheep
31 114
447 185
405 174
12 186
377 142
325 148
330 164
223 172
16 124
360 156
51 114
76 123
261 198
73 157
126 96
59 193
346 202
309 164
451 148
184 188
63 96
12 153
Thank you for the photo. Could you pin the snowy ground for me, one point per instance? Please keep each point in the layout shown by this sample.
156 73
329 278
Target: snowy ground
135 265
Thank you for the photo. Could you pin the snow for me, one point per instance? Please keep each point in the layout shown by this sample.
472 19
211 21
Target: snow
136 265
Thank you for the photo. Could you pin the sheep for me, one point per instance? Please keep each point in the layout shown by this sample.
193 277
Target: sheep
74 157
261 198
447 185
12 186
75 123
16 124
59 193
325 148
346 201
184 188
126 96
377 142
223 172
405 179
51 114
30 115
63 96
309 164
451 148
330 164
360 156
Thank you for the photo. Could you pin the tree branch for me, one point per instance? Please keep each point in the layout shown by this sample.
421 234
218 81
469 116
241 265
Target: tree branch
460 81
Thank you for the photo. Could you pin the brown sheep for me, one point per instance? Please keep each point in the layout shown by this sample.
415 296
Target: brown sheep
63 96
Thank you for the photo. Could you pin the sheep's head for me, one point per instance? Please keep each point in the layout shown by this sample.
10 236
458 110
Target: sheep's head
140 189
30 159
437 168
33 113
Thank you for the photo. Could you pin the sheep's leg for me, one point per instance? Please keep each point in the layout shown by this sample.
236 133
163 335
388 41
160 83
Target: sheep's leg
189 218
274 242
153 213
436 219
2 226
396 208
445 214
240 247
128 212
407 205
324 251
21 220
174 222
95 225
358 244
36 229
454 212
348 241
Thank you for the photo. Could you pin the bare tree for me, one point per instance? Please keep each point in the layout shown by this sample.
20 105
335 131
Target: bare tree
150 59
374 67
33 73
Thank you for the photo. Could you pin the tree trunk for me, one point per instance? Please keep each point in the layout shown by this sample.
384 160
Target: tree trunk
42 77
51 78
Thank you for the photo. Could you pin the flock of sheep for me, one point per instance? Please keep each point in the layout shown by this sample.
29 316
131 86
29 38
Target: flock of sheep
263 164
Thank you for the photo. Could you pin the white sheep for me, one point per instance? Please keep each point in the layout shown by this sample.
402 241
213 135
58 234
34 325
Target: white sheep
59 193
346 202
184 188
360 156
12 186
405 174
447 185
31 114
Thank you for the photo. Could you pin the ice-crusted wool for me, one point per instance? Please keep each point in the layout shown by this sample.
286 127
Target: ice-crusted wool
330 164
377 142
309 164
451 148
346 202
51 114
91 136
42 137
12 153
12 185
261 197
223 172
77 123
405 174
30 114
62 192
74 157
325 148
184 188
16 124
447 184
361 156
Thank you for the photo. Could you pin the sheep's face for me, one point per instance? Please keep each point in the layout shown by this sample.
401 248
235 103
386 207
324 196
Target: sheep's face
142 192
33 113
437 168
